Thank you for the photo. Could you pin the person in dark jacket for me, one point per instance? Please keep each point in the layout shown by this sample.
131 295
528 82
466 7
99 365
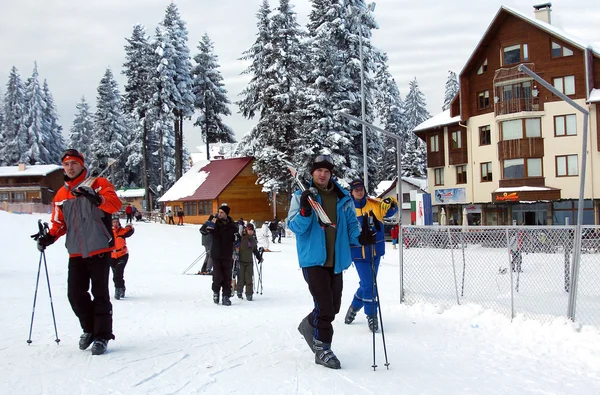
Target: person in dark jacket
248 246
206 243
82 210
225 233
324 253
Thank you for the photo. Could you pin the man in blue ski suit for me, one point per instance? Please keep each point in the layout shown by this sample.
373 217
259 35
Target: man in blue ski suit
323 253
361 255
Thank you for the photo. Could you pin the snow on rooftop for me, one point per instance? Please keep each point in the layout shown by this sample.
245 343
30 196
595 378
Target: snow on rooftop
30 170
594 96
440 119
131 193
187 184
522 189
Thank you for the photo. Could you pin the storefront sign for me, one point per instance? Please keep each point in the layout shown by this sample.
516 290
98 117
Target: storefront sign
473 209
450 195
507 197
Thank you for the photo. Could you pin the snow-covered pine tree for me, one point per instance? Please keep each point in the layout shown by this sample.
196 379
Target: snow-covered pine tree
211 96
388 103
138 68
451 89
161 110
55 143
415 113
82 129
35 122
14 142
183 98
110 131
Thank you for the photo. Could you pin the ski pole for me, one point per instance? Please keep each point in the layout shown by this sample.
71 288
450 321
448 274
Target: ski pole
374 303
37 281
195 261
57 340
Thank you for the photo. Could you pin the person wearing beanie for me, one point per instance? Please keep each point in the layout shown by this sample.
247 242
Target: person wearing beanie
82 210
361 255
120 255
248 247
224 234
323 254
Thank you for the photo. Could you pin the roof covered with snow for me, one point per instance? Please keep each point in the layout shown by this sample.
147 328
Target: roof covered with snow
439 120
30 170
386 186
594 96
131 193
522 189
206 180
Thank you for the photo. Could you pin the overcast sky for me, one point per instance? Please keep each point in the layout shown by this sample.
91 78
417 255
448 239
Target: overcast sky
74 41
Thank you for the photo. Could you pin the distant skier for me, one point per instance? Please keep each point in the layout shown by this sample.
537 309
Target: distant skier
248 247
120 255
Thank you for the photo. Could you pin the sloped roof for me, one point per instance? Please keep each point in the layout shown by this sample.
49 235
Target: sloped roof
206 180
131 193
420 183
439 120
30 170
548 28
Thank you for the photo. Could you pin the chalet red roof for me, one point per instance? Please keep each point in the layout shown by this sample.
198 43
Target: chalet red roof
220 174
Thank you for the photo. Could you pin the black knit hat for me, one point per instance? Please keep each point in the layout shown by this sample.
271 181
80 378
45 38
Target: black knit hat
225 208
322 162
357 184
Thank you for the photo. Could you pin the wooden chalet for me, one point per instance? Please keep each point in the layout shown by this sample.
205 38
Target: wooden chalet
30 183
209 184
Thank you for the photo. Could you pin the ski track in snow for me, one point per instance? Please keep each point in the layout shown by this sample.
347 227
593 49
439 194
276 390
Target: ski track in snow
172 339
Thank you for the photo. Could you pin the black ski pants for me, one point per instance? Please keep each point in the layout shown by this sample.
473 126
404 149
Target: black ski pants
95 316
118 268
326 290
222 276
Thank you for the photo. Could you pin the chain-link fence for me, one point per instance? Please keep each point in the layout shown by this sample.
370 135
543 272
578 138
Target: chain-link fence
512 270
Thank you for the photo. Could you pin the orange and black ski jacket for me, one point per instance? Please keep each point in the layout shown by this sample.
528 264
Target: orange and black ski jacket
88 228
120 235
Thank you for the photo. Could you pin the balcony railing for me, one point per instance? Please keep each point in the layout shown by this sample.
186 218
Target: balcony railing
512 106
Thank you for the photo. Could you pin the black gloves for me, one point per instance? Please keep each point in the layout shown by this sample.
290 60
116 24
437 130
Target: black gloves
89 194
305 208
43 241
367 235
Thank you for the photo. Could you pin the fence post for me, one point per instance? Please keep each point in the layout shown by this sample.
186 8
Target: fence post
510 271
453 265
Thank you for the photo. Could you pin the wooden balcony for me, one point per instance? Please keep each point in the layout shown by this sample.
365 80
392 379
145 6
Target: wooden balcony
531 147
458 156
512 106
436 159
521 182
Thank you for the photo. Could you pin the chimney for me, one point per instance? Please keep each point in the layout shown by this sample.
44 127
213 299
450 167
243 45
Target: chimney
542 12
22 167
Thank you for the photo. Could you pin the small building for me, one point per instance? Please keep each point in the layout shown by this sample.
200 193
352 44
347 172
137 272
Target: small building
209 184
30 183
135 197
410 188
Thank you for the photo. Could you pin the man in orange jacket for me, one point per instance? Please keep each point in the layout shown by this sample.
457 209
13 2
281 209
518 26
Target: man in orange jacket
120 255
82 210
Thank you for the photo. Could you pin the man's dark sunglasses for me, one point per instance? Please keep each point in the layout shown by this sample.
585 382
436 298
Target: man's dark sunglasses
324 158
72 152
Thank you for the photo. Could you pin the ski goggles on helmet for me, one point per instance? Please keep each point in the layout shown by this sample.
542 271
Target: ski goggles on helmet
72 154
324 158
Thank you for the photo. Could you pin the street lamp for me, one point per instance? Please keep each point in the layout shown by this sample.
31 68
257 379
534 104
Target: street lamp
370 8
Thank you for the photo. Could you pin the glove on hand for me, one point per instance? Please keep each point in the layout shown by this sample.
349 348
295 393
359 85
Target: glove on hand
367 235
387 203
305 208
89 194
44 241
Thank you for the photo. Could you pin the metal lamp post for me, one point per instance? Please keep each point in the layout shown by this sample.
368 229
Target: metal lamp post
370 8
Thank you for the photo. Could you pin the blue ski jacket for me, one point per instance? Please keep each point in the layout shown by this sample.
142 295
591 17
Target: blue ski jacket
310 236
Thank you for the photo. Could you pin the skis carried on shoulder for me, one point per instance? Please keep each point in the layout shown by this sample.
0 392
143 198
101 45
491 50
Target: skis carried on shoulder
316 206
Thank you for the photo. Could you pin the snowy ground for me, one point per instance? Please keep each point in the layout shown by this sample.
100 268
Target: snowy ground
171 338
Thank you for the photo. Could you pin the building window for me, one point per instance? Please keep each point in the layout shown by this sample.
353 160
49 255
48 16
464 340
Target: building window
513 130
439 176
18 196
565 125
515 54
566 166
3 196
521 168
486 172
461 174
565 85
560 50
189 208
483 100
485 135
456 140
205 207
434 143
482 68
406 198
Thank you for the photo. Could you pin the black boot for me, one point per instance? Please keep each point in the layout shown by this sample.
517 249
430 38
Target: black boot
249 297
239 295
325 356
99 347
216 298
373 322
85 340
307 330
226 301
119 293
350 315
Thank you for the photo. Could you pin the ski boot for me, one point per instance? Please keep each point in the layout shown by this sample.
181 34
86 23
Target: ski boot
216 298
99 347
325 356
373 323
350 315
85 340
249 297
307 330
226 301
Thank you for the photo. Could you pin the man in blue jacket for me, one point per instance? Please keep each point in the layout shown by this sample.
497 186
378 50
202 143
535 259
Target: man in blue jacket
323 253
377 209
